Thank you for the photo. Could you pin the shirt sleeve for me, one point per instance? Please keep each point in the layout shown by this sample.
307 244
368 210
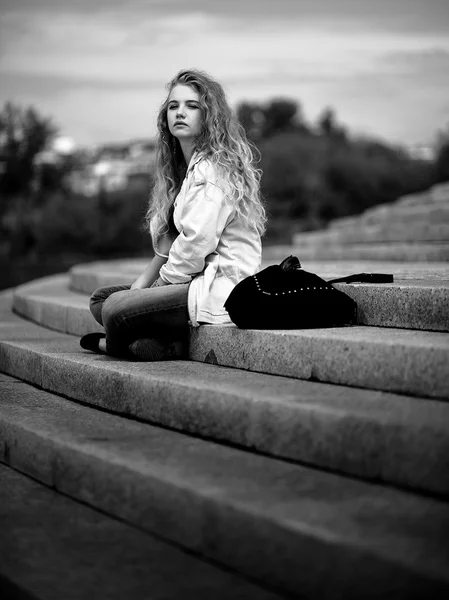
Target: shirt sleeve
162 244
157 249
204 215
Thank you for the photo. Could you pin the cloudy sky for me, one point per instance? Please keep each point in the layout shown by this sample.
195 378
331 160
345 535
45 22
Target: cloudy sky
99 67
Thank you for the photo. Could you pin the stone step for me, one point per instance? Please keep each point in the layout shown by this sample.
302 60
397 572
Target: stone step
85 278
54 547
418 199
378 251
394 360
407 304
382 252
369 253
417 208
405 213
397 212
440 192
49 302
437 193
395 232
304 532
373 435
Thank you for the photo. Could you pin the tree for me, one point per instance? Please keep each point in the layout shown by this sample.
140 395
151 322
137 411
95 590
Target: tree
328 126
280 115
251 117
23 134
262 121
442 164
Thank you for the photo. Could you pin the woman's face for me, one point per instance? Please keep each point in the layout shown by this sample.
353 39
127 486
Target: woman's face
184 114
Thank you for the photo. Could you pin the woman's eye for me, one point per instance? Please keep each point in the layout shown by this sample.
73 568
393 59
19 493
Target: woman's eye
175 106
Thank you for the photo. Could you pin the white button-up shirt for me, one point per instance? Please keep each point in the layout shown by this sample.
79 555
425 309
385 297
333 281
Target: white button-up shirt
215 248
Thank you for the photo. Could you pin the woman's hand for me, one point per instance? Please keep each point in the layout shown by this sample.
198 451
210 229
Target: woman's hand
137 285
150 274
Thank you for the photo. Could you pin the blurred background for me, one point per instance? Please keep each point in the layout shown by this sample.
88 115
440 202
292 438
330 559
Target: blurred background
348 103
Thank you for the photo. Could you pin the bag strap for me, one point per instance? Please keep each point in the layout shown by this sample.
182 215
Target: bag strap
365 278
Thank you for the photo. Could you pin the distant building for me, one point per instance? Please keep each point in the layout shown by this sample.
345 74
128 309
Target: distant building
115 167
422 152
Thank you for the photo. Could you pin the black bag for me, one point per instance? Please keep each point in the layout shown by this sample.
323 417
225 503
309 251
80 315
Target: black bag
287 297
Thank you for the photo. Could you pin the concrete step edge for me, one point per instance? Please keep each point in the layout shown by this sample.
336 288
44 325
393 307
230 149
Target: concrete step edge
407 305
73 551
440 192
381 254
430 212
437 193
85 278
381 212
391 251
270 520
399 439
421 233
396 360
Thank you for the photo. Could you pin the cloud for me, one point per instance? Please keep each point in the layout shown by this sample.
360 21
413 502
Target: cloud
431 62
87 63
123 46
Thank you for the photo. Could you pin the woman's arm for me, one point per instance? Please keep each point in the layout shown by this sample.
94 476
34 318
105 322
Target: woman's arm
204 215
150 273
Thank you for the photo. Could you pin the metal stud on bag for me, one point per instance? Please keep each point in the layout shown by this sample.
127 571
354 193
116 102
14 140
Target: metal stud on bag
288 291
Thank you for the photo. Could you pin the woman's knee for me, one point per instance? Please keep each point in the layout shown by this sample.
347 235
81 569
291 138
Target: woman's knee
99 297
114 310
96 304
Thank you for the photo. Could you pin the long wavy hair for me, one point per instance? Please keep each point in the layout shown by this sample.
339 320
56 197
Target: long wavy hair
222 140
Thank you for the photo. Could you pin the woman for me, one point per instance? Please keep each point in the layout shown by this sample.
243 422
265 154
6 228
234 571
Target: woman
206 220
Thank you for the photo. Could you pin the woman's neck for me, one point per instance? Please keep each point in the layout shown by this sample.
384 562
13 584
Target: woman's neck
188 149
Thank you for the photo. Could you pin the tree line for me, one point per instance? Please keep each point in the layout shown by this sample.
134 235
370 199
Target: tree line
312 173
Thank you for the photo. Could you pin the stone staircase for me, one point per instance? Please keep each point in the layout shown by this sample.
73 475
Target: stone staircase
414 228
272 464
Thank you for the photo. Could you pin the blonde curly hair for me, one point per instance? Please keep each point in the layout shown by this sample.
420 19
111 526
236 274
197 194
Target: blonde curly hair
222 141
